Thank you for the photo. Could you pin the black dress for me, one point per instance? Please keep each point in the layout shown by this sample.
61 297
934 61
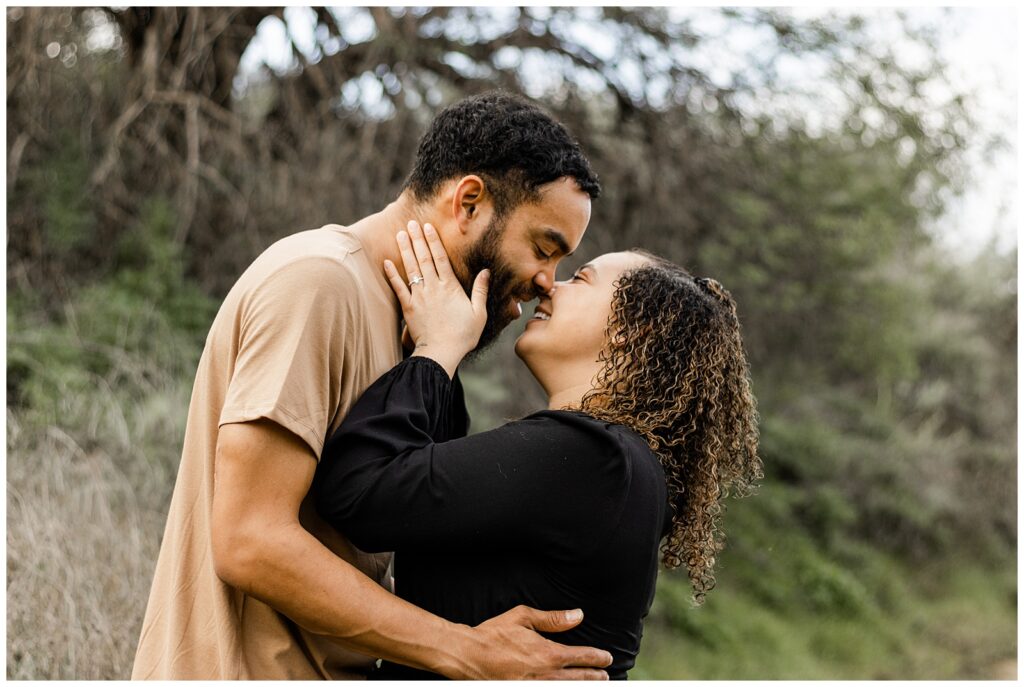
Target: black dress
555 511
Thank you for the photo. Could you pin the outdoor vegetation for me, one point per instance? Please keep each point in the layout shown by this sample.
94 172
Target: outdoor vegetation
145 170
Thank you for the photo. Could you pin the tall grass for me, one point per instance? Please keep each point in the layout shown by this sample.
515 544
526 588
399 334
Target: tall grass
87 491
98 394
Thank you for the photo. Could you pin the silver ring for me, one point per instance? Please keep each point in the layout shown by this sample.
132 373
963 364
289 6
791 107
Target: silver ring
416 280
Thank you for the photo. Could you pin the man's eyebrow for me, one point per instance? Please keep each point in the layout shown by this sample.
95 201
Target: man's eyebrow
558 239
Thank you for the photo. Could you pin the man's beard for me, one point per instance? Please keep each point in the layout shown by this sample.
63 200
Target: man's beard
485 254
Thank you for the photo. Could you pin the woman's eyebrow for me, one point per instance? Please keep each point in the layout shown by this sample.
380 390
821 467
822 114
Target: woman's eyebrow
588 266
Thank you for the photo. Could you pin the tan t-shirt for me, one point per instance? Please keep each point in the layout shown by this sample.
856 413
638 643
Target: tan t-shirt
307 327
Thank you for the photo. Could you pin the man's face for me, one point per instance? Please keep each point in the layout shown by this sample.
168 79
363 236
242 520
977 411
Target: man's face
522 251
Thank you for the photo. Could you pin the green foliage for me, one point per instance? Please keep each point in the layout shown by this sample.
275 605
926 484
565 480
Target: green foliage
148 320
814 248
61 181
799 451
860 614
827 588
827 514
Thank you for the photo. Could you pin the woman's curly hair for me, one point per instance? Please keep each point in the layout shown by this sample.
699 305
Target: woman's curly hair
675 371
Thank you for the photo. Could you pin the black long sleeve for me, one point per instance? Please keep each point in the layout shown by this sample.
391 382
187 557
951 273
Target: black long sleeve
393 477
557 510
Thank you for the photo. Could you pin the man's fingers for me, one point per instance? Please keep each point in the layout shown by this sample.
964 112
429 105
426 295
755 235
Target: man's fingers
437 250
577 674
583 657
560 621
553 621
419 247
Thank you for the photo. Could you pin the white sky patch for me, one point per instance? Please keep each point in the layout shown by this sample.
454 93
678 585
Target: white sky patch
984 57
356 24
269 47
102 32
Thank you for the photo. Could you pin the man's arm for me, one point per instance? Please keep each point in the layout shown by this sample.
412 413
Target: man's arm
263 472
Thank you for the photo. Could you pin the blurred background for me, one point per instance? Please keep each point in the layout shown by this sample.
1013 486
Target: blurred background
850 177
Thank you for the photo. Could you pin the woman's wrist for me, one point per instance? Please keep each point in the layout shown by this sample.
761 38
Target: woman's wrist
446 356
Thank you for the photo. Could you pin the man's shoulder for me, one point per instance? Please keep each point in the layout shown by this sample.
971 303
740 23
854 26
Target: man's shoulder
325 258
317 268
330 242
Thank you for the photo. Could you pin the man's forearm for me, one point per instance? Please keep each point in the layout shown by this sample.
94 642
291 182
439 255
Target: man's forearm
290 570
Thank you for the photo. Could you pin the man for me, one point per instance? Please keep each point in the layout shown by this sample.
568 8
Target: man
249 583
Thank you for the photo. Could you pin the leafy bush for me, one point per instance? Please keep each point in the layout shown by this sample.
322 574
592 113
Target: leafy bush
145 324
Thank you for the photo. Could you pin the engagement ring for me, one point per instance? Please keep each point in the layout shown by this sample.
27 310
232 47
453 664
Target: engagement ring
416 280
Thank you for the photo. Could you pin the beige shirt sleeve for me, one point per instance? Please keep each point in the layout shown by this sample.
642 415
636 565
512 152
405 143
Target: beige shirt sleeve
291 349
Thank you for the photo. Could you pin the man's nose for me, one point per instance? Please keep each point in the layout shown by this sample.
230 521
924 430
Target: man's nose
544 281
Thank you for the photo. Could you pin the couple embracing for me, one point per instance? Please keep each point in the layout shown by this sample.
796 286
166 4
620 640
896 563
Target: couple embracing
330 509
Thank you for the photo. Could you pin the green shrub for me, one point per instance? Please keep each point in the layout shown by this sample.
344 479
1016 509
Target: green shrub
828 588
145 323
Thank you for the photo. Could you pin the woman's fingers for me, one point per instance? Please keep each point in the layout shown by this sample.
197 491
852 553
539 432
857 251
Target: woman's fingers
479 297
423 256
440 255
435 307
412 268
397 285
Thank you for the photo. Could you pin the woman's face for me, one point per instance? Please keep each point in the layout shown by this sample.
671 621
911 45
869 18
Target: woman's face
569 326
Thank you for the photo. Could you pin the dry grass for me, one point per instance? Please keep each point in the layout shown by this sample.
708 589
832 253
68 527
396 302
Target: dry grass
87 493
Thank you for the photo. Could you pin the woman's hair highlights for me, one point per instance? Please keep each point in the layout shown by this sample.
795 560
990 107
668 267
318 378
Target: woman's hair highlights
675 371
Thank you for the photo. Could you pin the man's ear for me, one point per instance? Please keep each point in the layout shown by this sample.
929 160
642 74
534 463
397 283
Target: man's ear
469 202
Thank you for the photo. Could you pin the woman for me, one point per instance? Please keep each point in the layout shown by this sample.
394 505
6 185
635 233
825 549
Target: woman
650 423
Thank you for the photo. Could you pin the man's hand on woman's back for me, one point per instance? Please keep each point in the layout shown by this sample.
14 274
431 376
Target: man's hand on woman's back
511 649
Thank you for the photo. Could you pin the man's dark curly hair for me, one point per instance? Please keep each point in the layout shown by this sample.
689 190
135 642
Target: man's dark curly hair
513 145
675 372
